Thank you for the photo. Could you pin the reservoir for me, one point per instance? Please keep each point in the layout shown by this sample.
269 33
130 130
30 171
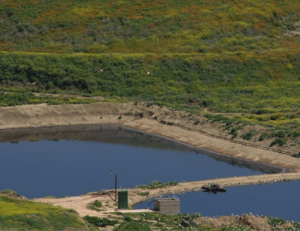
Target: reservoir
278 200
74 160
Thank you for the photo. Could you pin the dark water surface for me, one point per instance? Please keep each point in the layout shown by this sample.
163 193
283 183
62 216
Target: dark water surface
278 200
76 160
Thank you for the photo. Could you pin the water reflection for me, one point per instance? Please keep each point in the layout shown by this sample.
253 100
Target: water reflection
112 134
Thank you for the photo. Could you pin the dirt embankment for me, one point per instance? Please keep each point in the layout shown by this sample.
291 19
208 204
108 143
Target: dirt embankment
176 125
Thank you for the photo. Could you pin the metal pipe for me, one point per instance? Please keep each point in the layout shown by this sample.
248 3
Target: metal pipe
116 180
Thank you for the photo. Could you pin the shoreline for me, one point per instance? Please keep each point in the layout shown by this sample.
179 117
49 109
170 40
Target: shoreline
214 154
142 119
275 168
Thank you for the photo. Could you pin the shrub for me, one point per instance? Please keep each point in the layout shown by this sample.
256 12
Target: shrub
276 221
296 134
233 130
263 136
234 135
128 218
132 226
262 111
7 191
248 135
296 155
275 117
157 184
197 122
279 141
143 193
279 134
97 203
100 222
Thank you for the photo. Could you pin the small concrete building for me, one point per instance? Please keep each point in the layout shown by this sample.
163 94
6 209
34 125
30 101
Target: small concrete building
167 206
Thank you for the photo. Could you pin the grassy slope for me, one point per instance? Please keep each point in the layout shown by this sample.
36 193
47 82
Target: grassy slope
140 26
25 215
227 56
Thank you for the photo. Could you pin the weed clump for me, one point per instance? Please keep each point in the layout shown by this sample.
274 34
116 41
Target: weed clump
279 141
100 222
132 225
296 155
248 135
279 134
197 122
276 221
143 193
157 184
95 205
263 136
7 191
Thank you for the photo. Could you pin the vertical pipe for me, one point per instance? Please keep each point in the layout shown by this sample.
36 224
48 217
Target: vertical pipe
116 180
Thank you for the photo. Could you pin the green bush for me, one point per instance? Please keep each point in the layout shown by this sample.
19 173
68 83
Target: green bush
263 136
132 226
100 222
279 141
279 134
276 221
248 135
197 122
296 155
144 193
275 117
234 134
296 134
235 129
235 228
7 191
97 203
127 218
157 184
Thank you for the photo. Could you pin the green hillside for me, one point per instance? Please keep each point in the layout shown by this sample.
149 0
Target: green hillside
144 26
18 214
225 56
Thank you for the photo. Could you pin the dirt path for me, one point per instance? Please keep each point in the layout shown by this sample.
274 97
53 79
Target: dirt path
161 121
80 203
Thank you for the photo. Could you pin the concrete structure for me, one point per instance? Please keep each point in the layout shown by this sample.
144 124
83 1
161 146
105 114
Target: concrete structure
167 206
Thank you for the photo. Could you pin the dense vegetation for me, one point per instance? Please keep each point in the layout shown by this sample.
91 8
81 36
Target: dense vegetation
26 215
20 98
139 26
262 85
156 221
225 56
